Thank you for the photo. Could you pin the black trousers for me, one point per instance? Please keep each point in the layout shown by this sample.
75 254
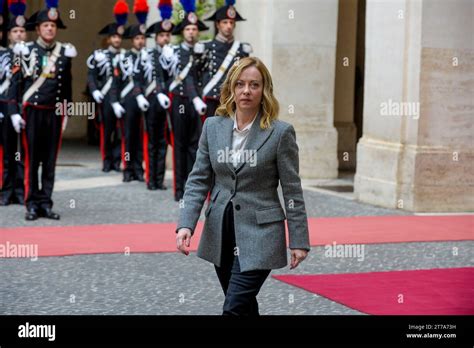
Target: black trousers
41 140
212 105
187 128
12 167
132 146
155 160
240 288
110 142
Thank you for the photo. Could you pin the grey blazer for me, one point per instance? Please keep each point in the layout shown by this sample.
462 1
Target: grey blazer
258 216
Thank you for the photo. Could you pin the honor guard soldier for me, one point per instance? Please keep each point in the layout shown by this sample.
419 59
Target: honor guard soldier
153 79
126 92
187 106
45 80
12 188
101 65
217 56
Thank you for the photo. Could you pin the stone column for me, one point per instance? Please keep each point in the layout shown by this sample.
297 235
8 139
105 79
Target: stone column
345 84
416 152
297 41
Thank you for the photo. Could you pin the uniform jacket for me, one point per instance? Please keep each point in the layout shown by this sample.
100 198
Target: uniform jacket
58 84
149 70
124 74
188 88
101 64
210 56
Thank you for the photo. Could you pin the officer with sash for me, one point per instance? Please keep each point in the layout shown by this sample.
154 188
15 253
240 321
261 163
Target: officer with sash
127 96
217 56
44 80
12 170
101 65
187 106
153 79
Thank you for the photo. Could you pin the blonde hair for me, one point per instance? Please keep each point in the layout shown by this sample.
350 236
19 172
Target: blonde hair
269 106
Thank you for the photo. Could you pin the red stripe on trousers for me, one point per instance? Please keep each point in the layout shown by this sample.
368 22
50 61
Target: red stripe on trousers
24 139
102 136
170 95
146 157
1 165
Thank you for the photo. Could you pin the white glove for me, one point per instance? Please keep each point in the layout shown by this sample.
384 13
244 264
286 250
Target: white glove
1 115
143 104
200 106
21 49
163 100
167 52
98 96
118 109
18 122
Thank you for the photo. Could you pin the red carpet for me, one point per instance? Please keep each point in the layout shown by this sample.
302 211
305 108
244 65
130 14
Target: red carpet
140 238
425 292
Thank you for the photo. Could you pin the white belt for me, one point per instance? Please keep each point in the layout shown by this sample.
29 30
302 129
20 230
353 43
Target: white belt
4 86
151 87
107 86
126 89
182 75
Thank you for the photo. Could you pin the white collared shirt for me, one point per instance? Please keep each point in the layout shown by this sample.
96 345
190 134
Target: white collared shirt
239 140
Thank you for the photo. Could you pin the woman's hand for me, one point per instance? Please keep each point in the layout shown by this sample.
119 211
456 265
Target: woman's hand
183 240
297 255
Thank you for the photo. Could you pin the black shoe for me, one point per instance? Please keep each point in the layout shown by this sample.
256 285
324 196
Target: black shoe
152 187
161 187
4 203
49 214
18 200
178 196
106 169
117 168
139 177
128 177
31 215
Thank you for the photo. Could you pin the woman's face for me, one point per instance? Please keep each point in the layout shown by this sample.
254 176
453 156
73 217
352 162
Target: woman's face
249 90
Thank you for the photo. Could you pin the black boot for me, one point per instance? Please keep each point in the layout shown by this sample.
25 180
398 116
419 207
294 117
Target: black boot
152 186
31 214
128 177
49 214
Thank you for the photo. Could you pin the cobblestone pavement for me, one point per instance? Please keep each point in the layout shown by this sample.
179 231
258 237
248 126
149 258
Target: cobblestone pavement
170 283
